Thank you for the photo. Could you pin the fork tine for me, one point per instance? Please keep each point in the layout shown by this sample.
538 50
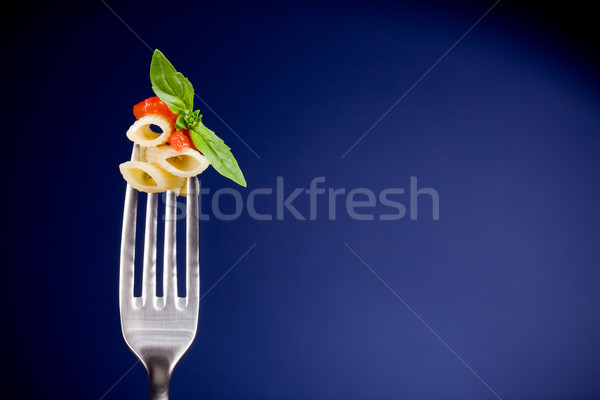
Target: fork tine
128 245
170 256
127 262
192 282
149 270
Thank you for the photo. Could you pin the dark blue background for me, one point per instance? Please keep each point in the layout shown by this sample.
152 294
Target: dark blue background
505 128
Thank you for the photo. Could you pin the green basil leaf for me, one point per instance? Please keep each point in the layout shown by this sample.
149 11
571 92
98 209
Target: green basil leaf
178 93
181 123
217 153
169 85
192 117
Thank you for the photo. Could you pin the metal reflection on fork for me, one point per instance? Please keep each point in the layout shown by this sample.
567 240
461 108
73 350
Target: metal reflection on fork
159 330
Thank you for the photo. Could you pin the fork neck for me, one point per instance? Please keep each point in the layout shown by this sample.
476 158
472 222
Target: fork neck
159 375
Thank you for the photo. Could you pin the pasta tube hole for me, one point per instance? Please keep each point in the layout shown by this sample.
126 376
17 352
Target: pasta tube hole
142 177
184 162
151 132
156 128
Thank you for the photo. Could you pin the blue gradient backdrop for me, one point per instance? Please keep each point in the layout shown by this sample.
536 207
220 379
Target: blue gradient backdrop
505 128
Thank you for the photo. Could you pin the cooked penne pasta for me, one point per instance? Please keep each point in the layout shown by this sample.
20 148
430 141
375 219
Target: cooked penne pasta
182 191
149 178
186 162
141 133
171 137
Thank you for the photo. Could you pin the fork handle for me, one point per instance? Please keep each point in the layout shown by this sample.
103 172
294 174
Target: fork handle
159 375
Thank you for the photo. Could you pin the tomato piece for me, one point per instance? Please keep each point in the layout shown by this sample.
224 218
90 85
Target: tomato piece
154 105
181 139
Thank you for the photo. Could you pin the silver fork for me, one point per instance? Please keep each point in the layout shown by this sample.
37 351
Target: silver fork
159 330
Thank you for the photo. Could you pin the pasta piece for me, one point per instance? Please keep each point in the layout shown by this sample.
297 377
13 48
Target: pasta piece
141 133
182 191
185 163
149 178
